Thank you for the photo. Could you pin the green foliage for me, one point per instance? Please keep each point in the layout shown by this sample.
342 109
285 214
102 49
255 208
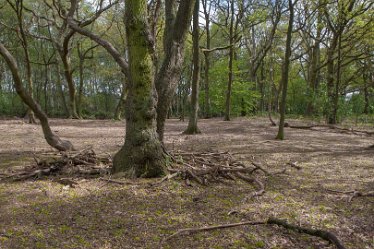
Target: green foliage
243 98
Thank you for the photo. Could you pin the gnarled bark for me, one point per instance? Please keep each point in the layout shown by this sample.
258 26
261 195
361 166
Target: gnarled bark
142 154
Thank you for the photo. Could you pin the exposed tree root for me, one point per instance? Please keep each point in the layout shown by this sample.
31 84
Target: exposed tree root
83 163
325 235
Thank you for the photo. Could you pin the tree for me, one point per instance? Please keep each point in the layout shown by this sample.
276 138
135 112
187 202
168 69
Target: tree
51 138
18 8
177 22
143 155
285 70
192 124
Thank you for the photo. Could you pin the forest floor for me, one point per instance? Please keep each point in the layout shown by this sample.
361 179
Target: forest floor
99 214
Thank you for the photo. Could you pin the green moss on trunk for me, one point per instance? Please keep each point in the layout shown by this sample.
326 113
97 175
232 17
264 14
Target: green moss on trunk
142 154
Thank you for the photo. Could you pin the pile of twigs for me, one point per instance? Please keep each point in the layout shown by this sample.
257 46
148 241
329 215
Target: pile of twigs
207 167
83 163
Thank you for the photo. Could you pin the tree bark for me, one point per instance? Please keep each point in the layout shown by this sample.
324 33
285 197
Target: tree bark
69 79
285 70
121 103
192 124
51 138
142 154
176 27
18 8
207 112
60 90
231 58
315 60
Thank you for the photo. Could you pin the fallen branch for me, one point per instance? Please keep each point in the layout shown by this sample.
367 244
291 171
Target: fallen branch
326 235
260 185
332 127
84 162
294 165
189 231
353 193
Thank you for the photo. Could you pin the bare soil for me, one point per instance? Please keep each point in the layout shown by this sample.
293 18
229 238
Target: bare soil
98 214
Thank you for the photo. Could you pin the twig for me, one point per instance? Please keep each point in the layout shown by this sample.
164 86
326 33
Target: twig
258 166
294 165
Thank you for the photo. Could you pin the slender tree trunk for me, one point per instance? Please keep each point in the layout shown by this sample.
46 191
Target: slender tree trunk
69 79
121 103
46 89
61 91
142 155
81 84
337 84
231 58
365 77
51 138
313 75
285 70
192 124
207 111
25 46
331 118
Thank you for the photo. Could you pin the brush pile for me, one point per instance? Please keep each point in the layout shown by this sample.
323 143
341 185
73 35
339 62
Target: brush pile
208 167
83 163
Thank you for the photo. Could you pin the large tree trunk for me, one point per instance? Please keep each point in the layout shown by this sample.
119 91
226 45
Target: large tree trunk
231 58
142 154
285 70
176 27
192 124
51 138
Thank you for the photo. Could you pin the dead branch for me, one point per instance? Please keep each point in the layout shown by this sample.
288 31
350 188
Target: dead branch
84 162
326 235
331 127
189 231
260 185
353 193
258 166
204 167
294 165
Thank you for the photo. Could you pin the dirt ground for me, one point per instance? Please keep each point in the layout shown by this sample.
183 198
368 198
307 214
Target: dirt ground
98 214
